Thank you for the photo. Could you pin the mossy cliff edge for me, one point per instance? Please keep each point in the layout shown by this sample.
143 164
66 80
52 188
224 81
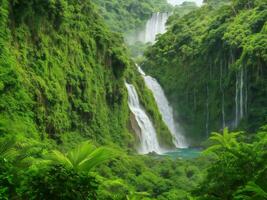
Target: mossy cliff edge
62 72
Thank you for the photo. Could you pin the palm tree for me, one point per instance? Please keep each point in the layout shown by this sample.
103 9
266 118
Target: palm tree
82 158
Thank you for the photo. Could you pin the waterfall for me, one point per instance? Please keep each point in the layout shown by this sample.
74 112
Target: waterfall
240 92
236 101
222 91
147 136
246 92
154 26
241 89
165 110
207 111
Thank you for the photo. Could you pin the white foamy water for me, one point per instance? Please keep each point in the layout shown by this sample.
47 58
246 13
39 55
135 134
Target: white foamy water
154 26
148 137
165 110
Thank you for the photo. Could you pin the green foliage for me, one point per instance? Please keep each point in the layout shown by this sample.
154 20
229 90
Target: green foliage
223 141
62 74
82 158
7 150
148 177
113 189
6 179
181 10
26 174
251 188
57 183
61 71
239 168
132 177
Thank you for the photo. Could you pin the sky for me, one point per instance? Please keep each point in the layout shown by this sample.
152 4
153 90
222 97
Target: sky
177 2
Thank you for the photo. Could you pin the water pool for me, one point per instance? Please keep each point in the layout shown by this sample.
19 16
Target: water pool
187 153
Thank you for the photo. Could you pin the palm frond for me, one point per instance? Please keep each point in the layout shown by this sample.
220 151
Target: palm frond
82 158
7 148
59 158
80 153
95 158
255 189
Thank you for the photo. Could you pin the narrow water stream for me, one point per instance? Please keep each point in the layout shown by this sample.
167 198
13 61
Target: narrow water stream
165 110
147 134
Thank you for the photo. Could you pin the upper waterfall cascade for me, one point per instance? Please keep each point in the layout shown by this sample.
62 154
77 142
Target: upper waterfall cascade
148 136
165 110
154 26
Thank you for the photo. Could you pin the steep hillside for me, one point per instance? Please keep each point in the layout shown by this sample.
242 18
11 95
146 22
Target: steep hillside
62 73
66 132
212 64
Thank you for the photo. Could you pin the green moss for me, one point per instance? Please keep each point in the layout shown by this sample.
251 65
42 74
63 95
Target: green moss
62 70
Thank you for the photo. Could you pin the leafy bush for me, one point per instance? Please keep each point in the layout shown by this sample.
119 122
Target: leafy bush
239 168
56 183
7 185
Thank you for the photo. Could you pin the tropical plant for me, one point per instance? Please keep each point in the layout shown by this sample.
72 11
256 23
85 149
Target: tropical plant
239 168
137 195
57 182
7 148
226 141
82 158
21 151
250 192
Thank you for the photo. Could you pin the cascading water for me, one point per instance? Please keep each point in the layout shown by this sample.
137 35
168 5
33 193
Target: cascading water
148 137
240 93
165 109
146 132
207 112
222 92
154 26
